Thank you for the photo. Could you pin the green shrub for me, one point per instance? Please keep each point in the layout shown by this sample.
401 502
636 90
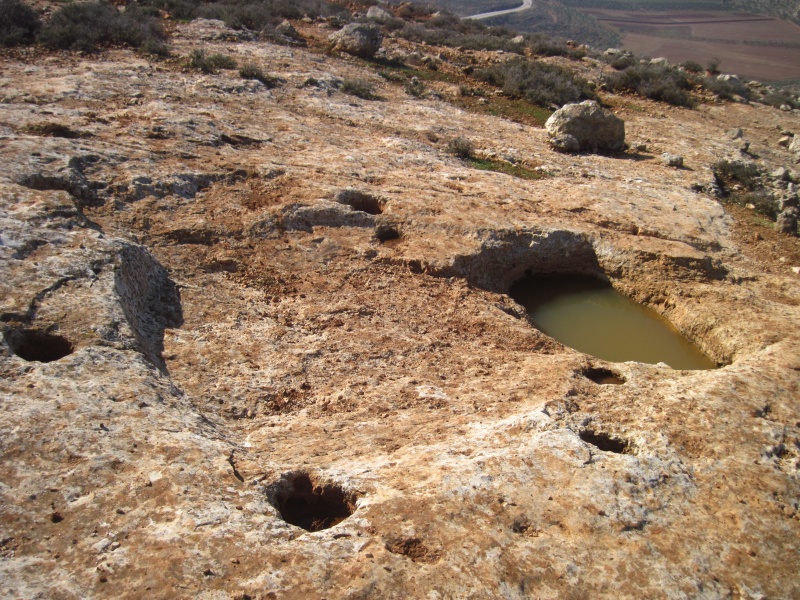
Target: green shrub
250 71
726 89
415 88
780 98
742 183
210 64
222 61
657 82
470 92
460 147
392 76
736 172
537 82
692 66
438 37
361 88
251 14
543 45
18 23
501 166
449 31
762 201
621 61
90 26
181 10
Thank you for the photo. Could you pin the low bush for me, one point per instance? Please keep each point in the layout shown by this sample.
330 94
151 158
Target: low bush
90 26
543 45
251 71
537 82
761 200
415 88
657 82
18 23
726 89
501 166
361 88
779 98
250 14
392 76
691 66
448 30
471 41
731 173
460 147
621 60
741 183
470 92
210 63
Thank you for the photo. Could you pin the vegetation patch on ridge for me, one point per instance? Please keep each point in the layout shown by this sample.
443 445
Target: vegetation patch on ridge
91 26
537 82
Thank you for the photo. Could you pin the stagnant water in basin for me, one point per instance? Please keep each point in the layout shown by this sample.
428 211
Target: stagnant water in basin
589 315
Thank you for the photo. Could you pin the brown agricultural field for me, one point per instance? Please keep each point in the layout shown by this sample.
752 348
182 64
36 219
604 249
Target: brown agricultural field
750 45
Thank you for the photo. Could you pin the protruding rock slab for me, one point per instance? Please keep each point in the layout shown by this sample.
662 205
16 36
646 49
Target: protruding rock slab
585 127
358 39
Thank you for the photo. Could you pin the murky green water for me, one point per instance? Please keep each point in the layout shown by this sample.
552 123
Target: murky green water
589 315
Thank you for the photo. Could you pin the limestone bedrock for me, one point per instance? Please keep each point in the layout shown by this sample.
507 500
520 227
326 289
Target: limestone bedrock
232 325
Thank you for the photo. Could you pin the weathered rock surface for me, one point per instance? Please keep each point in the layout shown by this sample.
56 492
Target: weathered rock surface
239 326
379 15
585 127
358 39
672 160
787 221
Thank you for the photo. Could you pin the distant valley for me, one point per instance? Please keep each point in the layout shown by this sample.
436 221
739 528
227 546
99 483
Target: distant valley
763 46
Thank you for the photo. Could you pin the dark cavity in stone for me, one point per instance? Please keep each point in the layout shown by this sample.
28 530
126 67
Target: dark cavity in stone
309 504
386 233
605 442
36 345
360 201
603 376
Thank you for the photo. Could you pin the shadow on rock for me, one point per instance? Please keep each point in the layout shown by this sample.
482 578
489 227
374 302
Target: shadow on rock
150 300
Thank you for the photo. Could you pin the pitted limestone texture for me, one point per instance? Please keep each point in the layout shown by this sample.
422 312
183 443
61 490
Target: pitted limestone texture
310 503
35 345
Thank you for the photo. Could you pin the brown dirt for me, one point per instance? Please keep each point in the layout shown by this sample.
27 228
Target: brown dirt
752 46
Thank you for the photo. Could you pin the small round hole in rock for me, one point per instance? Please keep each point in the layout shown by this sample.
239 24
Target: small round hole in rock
603 376
605 442
360 201
386 233
313 505
36 345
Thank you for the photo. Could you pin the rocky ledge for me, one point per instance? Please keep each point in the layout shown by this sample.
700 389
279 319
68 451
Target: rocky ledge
258 342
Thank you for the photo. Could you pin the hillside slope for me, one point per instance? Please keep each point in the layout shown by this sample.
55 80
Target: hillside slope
258 342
